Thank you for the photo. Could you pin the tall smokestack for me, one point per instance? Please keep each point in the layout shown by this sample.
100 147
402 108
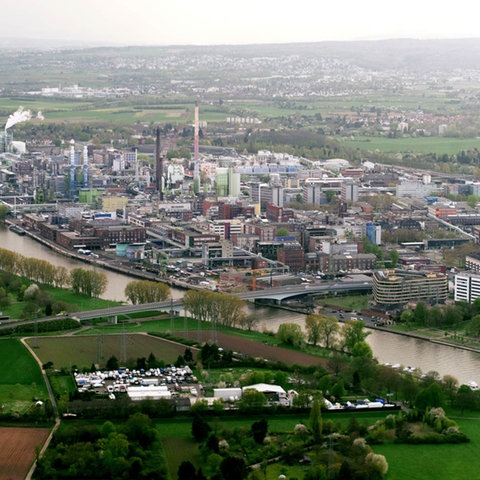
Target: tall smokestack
72 168
159 167
196 132
196 153
85 166
137 174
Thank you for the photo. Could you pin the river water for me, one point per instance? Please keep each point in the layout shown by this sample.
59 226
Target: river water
387 347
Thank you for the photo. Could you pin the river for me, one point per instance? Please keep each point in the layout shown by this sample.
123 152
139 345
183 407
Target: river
387 347
393 348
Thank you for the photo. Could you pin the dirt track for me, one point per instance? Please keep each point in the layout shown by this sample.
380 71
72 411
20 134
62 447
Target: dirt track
254 349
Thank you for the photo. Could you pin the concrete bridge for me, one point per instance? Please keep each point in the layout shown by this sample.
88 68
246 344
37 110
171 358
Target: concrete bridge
275 295
278 294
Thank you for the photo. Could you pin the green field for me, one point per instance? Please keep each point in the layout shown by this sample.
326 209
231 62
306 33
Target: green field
119 112
74 300
441 462
406 462
438 145
20 378
82 351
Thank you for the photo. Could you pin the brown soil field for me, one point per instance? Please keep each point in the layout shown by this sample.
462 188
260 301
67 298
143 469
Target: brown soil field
254 349
17 450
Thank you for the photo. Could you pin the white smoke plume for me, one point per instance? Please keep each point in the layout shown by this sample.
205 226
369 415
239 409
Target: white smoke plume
40 115
21 115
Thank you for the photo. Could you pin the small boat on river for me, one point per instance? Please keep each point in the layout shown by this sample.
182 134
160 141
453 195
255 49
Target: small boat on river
16 229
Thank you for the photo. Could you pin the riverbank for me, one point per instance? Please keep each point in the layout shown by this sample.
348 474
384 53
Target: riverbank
112 265
431 339
116 266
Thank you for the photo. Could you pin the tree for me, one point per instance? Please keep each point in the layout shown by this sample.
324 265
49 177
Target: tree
376 463
140 429
146 291
112 363
209 353
252 399
249 321
449 386
362 349
394 258
88 282
313 328
4 209
316 421
233 468
474 326
186 471
328 328
259 431
466 399
353 332
212 443
406 317
290 334
429 397
188 356
420 313
200 428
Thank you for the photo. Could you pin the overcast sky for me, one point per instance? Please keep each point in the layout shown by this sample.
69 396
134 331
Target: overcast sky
207 22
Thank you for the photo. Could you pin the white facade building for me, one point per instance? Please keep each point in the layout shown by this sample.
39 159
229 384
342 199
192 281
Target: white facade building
466 287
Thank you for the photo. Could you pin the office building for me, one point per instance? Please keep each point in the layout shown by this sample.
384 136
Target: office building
399 287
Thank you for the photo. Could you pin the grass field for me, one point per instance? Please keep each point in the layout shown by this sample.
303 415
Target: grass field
406 462
353 302
82 351
62 384
439 145
74 300
124 112
20 377
441 462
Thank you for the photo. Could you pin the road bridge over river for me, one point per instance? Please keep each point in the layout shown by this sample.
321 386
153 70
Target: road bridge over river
275 295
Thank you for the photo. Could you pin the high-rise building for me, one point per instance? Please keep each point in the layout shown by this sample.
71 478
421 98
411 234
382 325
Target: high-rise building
373 233
467 287
349 192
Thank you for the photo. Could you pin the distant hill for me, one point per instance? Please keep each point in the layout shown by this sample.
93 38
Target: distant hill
400 54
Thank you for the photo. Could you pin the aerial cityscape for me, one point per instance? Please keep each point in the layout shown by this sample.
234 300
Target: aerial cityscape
239 260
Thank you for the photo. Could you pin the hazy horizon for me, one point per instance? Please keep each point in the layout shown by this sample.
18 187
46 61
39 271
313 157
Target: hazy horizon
158 23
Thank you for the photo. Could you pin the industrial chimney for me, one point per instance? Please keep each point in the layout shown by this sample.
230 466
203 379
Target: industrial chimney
159 167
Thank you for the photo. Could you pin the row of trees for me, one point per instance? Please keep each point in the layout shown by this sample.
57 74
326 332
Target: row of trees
146 291
327 332
34 269
218 308
449 316
89 282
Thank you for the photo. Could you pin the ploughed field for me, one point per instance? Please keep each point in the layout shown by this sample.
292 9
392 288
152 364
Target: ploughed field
17 450
252 348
